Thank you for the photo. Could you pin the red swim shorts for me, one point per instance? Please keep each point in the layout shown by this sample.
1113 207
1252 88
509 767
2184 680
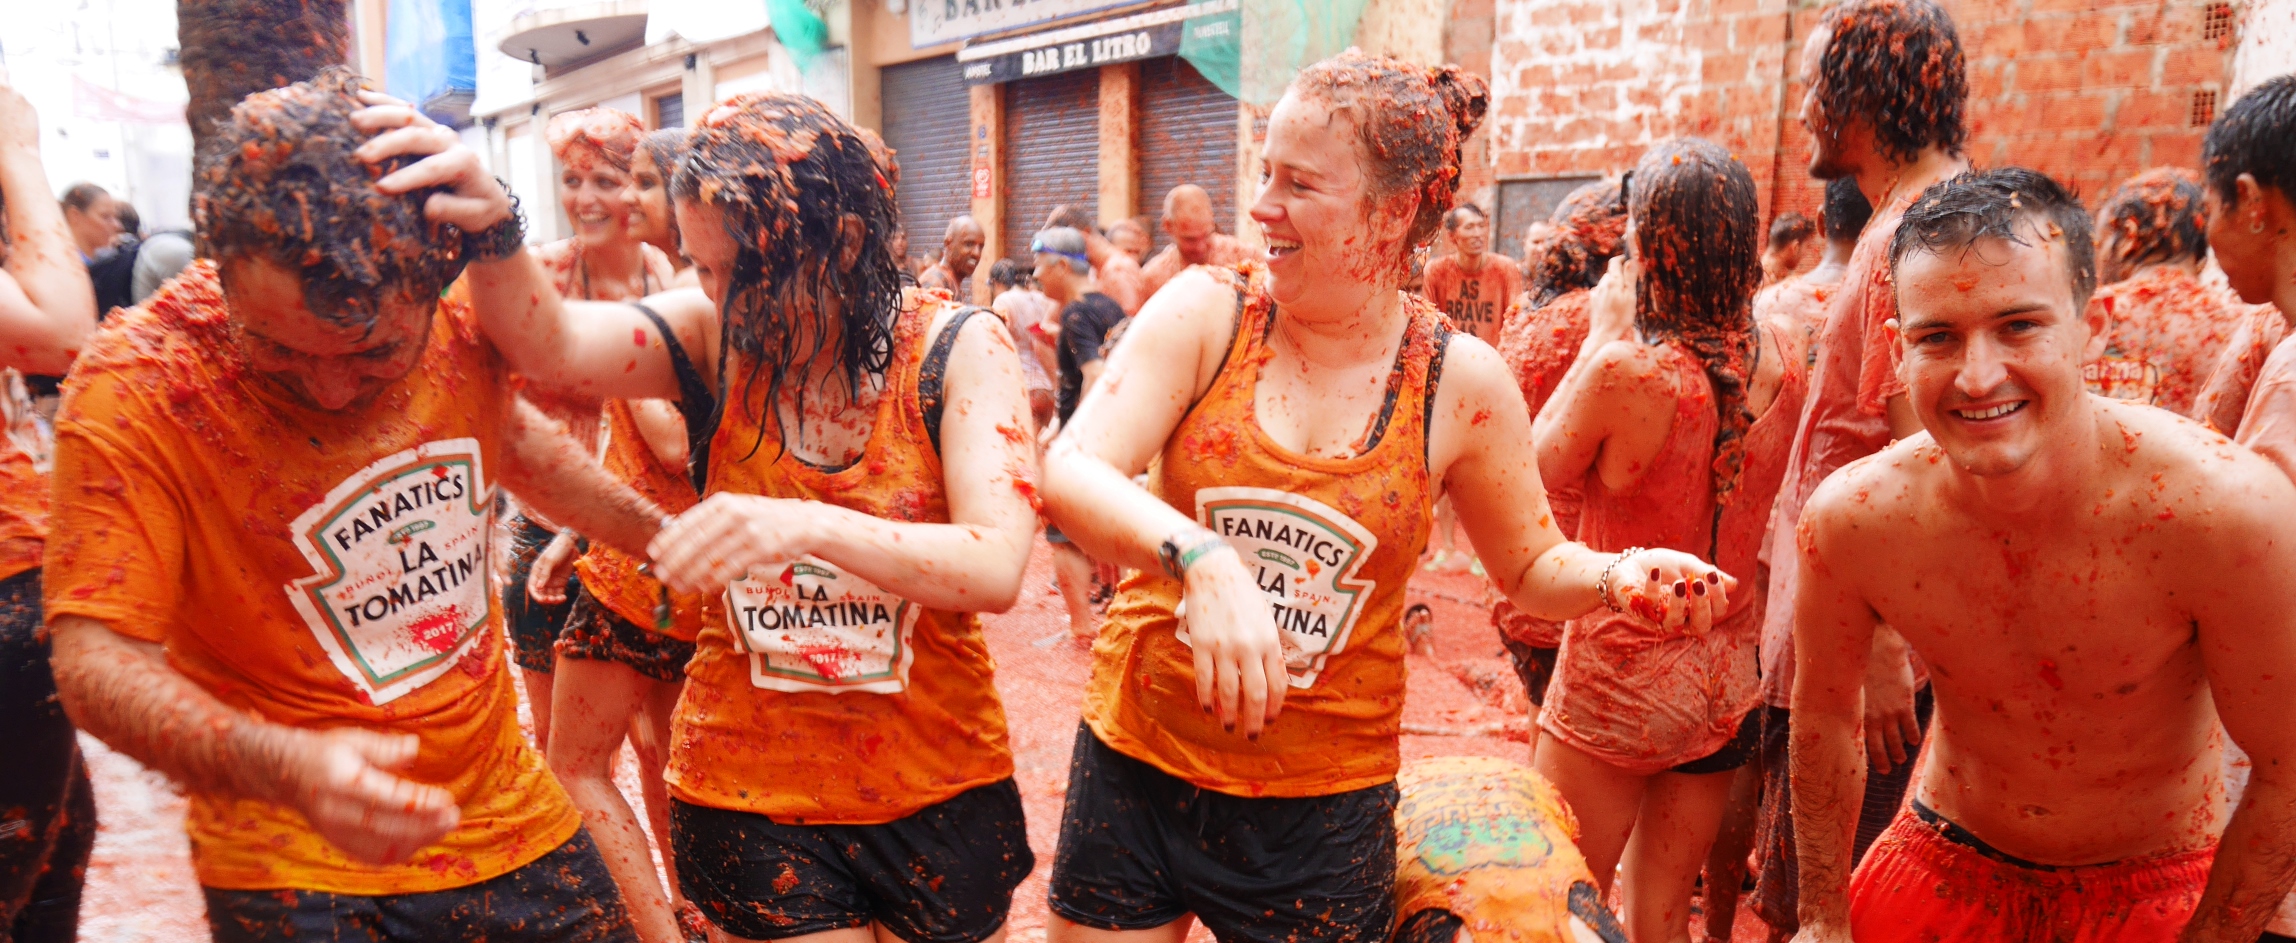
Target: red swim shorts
1928 881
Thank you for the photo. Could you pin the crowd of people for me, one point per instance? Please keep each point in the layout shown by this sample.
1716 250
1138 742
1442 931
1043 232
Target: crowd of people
1940 588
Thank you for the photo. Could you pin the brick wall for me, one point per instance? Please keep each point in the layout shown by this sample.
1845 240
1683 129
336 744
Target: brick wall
2091 91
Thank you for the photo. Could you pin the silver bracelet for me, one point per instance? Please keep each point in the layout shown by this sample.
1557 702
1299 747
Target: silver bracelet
1603 585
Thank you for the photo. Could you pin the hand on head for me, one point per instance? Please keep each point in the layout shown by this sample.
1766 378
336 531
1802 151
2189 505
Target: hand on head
475 201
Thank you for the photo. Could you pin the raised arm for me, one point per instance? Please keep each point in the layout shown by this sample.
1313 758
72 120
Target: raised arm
1168 358
554 475
973 563
1833 637
2246 617
47 305
603 349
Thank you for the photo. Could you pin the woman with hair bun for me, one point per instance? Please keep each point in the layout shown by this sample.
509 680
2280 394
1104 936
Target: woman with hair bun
1298 417
1676 415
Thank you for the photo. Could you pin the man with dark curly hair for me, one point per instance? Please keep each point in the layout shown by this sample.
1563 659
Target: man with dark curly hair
1887 88
275 487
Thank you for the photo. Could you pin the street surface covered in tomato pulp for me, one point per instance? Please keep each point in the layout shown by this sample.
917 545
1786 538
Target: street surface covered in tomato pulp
1464 701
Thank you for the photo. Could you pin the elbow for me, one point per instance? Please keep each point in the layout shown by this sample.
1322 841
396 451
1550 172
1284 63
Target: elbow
1000 590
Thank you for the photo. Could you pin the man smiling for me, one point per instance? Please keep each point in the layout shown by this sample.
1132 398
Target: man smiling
2102 592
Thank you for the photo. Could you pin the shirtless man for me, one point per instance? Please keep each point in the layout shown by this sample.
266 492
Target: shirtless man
1472 285
2102 592
268 573
1118 274
1866 60
1130 237
1782 255
1799 303
961 246
1196 239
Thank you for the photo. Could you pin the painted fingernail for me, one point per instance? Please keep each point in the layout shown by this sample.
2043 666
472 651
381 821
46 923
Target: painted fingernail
1699 588
1254 736
1654 573
1230 727
1714 577
1681 588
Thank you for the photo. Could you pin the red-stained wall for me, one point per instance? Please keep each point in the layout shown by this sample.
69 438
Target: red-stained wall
2090 91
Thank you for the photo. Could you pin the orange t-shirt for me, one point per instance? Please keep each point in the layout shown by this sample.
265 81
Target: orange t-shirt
1492 842
612 576
25 450
2165 332
1474 301
1331 541
814 697
313 568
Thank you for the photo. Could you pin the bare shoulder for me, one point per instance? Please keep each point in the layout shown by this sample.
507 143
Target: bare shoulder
2198 485
1473 374
1876 495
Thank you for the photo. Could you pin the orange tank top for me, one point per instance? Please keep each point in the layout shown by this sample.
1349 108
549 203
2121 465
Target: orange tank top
813 696
1331 541
25 447
612 576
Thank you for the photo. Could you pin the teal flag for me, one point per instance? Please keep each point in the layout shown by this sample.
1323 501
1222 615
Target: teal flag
799 29
1282 35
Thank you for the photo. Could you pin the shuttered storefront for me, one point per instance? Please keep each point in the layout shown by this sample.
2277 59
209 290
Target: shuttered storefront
1052 152
927 111
1187 135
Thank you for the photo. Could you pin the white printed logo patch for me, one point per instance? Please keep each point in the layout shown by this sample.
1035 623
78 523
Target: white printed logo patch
1304 555
399 555
2122 378
810 626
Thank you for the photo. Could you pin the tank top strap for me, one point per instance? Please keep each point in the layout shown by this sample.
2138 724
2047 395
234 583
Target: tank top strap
933 373
1411 383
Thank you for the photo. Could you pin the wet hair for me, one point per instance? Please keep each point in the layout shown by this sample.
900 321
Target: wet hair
2253 137
1896 65
1847 210
235 48
888 159
1789 228
1697 223
787 174
2157 215
1589 224
281 184
612 133
1953 215
1069 216
80 196
1066 242
1005 273
1458 216
131 222
1412 121
665 147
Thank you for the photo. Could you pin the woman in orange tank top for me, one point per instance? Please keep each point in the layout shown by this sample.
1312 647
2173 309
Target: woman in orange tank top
1242 725
838 763
1677 414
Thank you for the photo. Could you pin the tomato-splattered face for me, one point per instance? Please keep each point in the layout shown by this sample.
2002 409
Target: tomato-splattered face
2242 252
707 243
1324 237
1826 159
1993 346
1472 237
1191 233
590 191
326 365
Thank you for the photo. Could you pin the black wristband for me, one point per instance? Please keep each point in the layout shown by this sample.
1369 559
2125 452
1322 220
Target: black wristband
500 240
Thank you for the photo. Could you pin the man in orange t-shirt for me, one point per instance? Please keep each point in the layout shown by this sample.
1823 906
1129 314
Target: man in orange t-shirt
1473 285
274 492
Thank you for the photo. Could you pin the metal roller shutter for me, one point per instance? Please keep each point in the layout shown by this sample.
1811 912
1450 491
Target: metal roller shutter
1187 135
927 111
1052 151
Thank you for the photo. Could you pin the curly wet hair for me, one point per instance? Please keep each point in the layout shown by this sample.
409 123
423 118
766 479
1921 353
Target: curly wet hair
1897 65
786 175
281 184
1953 215
1413 121
614 135
2157 215
1698 234
1589 225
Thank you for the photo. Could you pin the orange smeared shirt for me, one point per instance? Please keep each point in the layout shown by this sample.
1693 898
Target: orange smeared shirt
25 450
612 576
314 568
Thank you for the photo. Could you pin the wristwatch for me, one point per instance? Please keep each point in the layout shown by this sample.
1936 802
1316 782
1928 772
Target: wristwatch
1185 547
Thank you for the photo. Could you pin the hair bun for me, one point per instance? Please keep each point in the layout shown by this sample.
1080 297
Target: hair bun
1466 95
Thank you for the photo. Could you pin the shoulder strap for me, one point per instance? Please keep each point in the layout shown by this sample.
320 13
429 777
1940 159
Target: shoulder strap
697 400
932 375
1427 398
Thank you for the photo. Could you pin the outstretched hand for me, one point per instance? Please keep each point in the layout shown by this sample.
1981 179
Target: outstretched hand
19 123
1672 590
473 202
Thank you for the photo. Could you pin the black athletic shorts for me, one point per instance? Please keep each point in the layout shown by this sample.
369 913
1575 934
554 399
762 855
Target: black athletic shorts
47 809
943 874
1140 848
1738 752
1535 665
533 626
565 896
593 632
